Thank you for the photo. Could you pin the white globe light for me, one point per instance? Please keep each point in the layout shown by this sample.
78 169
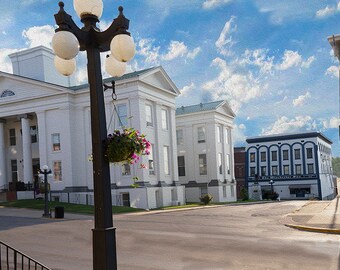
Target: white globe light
65 67
122 47
88 7
45 168
114 67
65 45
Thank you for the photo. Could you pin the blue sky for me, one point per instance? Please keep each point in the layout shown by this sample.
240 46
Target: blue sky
270 59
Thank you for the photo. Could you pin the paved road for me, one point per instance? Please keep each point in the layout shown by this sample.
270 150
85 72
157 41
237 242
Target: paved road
227 237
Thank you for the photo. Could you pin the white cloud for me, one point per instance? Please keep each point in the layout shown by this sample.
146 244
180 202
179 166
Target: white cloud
294 59
175 49
210 4
308 62
301 99
192 54
5 62
188 89
179 49
150 52
325 12
289 59
334 122
258 58
235 87
224 42
239 133
39 35
333 71
286 125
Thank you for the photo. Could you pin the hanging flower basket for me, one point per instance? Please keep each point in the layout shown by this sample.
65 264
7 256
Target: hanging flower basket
126 146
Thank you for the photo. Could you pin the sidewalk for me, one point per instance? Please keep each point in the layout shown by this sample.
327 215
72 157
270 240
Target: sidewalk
316 216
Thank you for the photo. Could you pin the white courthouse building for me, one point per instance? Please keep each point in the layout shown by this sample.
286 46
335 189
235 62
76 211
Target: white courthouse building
45 121
205 151
299 165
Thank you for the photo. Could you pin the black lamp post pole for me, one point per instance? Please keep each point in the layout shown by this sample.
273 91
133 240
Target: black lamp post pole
46 211
271 182
93 42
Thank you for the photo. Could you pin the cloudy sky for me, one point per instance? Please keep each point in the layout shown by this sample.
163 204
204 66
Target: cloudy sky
270 59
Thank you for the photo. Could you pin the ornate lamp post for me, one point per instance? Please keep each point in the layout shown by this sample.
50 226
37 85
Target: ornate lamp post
46 171
67 41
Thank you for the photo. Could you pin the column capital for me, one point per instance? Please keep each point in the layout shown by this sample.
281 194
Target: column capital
25 116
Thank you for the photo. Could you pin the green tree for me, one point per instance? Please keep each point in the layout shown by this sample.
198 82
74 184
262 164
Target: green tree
336 166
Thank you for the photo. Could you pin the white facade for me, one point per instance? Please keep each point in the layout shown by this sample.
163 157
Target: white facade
43 123
299 165
205 151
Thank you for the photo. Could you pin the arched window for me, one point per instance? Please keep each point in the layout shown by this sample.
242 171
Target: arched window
7 93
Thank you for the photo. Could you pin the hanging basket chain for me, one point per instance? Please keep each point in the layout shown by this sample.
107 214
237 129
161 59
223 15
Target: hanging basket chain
114 98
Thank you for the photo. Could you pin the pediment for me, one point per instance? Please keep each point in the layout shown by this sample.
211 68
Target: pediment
157 77
225 108
16 88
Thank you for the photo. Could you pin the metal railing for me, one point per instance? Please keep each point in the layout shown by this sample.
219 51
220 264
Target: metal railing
12 259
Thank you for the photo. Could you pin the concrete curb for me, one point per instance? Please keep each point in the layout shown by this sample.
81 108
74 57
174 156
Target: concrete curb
313 229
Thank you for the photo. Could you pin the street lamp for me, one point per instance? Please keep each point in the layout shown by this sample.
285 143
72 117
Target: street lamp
271 182
46 171
66 43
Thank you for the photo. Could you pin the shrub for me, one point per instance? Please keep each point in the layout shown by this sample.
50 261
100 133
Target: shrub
206 199
244 194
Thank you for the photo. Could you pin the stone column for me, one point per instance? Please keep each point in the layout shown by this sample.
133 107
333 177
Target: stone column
26 149
3 176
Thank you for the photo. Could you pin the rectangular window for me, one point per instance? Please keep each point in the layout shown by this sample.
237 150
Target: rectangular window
263 156
297 153
181 166
202 159
220 163
274 155
164 119
166 160
57 175
12 137
252 171
274 170
224 191
122 115
151 161
263 170
310 168
148 115
285 169
298 169
232 193
56 142
226 136
201 134
14 169
309 152
34 134
285 154
219 134
228 163
179 136
126 169
252 157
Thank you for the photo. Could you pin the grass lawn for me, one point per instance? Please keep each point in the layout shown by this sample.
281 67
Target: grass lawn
68 207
